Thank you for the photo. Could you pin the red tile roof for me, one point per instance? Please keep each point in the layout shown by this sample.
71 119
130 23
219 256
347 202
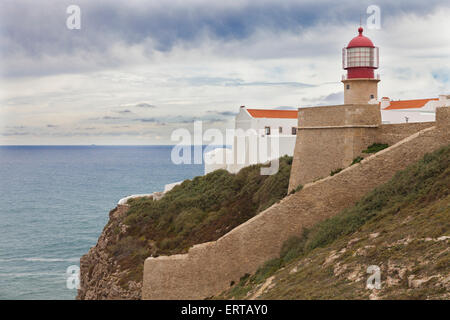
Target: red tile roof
408 104
280 114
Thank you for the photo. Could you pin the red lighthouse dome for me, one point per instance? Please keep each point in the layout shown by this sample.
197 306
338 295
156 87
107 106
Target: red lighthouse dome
360 40
360 57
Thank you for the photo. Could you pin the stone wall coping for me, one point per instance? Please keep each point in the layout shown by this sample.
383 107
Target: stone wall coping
344 126
335 105
406 124
180 256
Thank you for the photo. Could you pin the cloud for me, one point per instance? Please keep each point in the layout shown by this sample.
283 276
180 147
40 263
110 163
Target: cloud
154 120
335 97
117 33
208 117
227 113
235 82
271 84
323 100
223 113
110 118
441 75
145 105
285 108
15 133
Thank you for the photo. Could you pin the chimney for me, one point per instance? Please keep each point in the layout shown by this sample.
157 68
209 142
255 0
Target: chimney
444 100
385 102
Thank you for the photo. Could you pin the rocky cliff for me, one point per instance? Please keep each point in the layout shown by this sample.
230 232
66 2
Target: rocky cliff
101 277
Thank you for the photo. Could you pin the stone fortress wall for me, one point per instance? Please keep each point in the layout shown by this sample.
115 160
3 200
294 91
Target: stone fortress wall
393 133
209 268
331 137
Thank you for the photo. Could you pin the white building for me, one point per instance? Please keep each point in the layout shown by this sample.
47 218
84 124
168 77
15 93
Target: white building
260 135
418 110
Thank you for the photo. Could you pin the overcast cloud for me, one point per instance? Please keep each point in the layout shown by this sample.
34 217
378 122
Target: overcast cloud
139 69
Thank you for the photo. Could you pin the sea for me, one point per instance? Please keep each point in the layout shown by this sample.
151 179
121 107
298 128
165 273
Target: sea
54 203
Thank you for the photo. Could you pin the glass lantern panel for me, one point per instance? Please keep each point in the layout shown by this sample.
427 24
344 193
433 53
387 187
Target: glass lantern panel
361 57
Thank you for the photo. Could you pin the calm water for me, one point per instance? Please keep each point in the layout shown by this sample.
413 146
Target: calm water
54 203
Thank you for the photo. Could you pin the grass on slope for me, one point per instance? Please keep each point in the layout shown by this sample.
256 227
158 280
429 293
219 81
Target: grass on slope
199 210
400 226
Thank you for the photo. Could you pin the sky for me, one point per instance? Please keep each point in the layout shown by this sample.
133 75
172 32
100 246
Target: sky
136 71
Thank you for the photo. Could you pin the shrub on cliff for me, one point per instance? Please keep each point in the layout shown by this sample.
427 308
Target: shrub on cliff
196 211
375 147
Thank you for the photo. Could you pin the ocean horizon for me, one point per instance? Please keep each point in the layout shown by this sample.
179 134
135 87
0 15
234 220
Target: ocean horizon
54 203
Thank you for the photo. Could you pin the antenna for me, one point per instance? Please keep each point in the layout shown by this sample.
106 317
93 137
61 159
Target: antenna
360 20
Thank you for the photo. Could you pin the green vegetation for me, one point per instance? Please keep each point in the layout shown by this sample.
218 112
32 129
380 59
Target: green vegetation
297 189
199 210
358 159
373 148
414 204
332 173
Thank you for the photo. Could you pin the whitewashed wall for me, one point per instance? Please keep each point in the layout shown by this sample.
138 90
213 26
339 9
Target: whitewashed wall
425 114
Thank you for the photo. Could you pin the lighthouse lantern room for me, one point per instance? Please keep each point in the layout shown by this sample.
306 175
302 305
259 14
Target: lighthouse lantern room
360 57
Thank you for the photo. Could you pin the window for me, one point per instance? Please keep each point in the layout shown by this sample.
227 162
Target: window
362 57
294 130
348 86
280 129
267 130
372 96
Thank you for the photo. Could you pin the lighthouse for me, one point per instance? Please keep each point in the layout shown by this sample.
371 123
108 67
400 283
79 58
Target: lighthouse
360 58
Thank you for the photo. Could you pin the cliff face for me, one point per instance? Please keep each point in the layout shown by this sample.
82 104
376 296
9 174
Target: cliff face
100 273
